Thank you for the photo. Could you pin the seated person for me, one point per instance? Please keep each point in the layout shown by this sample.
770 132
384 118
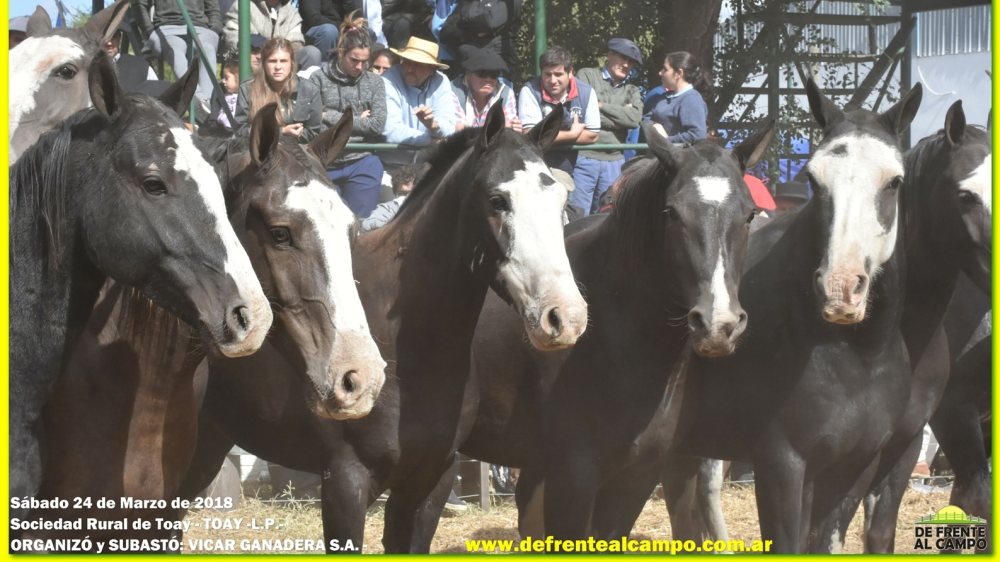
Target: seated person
479 88
420 106
403 180
133 70
270 18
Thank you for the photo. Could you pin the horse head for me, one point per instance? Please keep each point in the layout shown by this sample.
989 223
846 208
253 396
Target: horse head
49 73
856 173
521 205
969 177
298 233
696 212
154 214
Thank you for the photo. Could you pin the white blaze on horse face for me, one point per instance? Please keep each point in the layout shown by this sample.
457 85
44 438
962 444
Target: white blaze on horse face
980 183
536 272
854 171
712 190
30 65
188 159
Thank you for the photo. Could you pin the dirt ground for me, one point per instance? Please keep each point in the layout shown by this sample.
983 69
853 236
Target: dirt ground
301 520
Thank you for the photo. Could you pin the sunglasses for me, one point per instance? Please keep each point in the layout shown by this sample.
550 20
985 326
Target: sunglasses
487 74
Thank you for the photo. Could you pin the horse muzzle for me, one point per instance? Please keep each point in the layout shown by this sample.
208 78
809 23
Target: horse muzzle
843 296
557 324
353 380
717 336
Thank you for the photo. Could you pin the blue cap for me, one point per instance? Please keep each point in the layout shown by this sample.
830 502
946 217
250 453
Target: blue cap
625 48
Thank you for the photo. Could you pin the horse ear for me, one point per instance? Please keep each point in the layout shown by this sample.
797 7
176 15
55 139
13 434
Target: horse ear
545 132
491 129
105 92
39 23
750 151
330 143
105 23
824 111
954 124
178 95
265 133
661 147
899 116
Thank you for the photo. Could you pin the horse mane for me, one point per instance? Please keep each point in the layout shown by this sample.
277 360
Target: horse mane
638 213
39 180
440 158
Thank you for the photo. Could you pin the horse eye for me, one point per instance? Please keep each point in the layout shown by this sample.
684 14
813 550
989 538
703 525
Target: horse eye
154 186
895 183
499 204
967 197
281 235
672 213
66 72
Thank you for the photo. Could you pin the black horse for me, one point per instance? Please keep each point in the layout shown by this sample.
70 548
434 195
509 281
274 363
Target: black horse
488 213
122 420
118 191
811 394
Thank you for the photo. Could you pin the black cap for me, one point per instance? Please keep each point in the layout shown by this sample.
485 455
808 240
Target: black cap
625 48
795 190
474 59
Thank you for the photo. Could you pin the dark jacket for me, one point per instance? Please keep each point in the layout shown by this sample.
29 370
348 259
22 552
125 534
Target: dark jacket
338 91
316 12
204 13
306 108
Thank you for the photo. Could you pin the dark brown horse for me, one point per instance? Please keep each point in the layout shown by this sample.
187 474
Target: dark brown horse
488 213
118 191
122 421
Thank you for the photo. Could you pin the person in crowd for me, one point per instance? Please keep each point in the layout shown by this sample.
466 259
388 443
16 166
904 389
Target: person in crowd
789 196
321 22
402 19
270 18
231 84
680 112
382 59
484 24
620 105
420 105
557 86
17 31
167 37
133 70
299 105
343 83
403 180
479 88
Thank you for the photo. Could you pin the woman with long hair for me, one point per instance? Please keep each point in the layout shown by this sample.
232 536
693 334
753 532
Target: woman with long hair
275 81
680 112
344 82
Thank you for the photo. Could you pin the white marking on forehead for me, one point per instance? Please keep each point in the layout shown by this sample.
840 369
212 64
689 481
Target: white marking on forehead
980 182
332 220
30 64
712 189
188 159
854 178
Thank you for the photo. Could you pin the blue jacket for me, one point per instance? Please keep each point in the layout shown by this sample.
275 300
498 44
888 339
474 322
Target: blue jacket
401 125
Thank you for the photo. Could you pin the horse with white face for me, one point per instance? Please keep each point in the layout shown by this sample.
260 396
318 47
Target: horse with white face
48 73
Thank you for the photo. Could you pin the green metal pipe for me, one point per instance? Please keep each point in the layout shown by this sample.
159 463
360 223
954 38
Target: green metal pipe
246 71
541 39
209 66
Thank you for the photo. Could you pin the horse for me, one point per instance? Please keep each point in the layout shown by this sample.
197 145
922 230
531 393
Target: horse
118 191
48 73
488 213
661 274
947 229
122 420
819 379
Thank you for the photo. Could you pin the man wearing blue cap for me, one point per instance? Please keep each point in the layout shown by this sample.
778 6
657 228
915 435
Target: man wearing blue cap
620 104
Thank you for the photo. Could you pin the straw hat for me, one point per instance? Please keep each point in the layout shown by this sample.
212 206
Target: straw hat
422 51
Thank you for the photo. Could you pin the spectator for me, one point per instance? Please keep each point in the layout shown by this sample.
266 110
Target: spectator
167 37
231 84
17 32
557 86
420 105
480 87
680 113
132 70
344 83
382 60
268 19
789 196
481 23
620 105
372 12
321 20
403 180
299 105
402 19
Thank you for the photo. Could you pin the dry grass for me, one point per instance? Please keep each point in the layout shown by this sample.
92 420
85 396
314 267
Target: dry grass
302 520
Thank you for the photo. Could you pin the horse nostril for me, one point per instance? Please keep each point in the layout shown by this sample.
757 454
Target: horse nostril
554 322
818 279
348 382
861 285
696 321
242 317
